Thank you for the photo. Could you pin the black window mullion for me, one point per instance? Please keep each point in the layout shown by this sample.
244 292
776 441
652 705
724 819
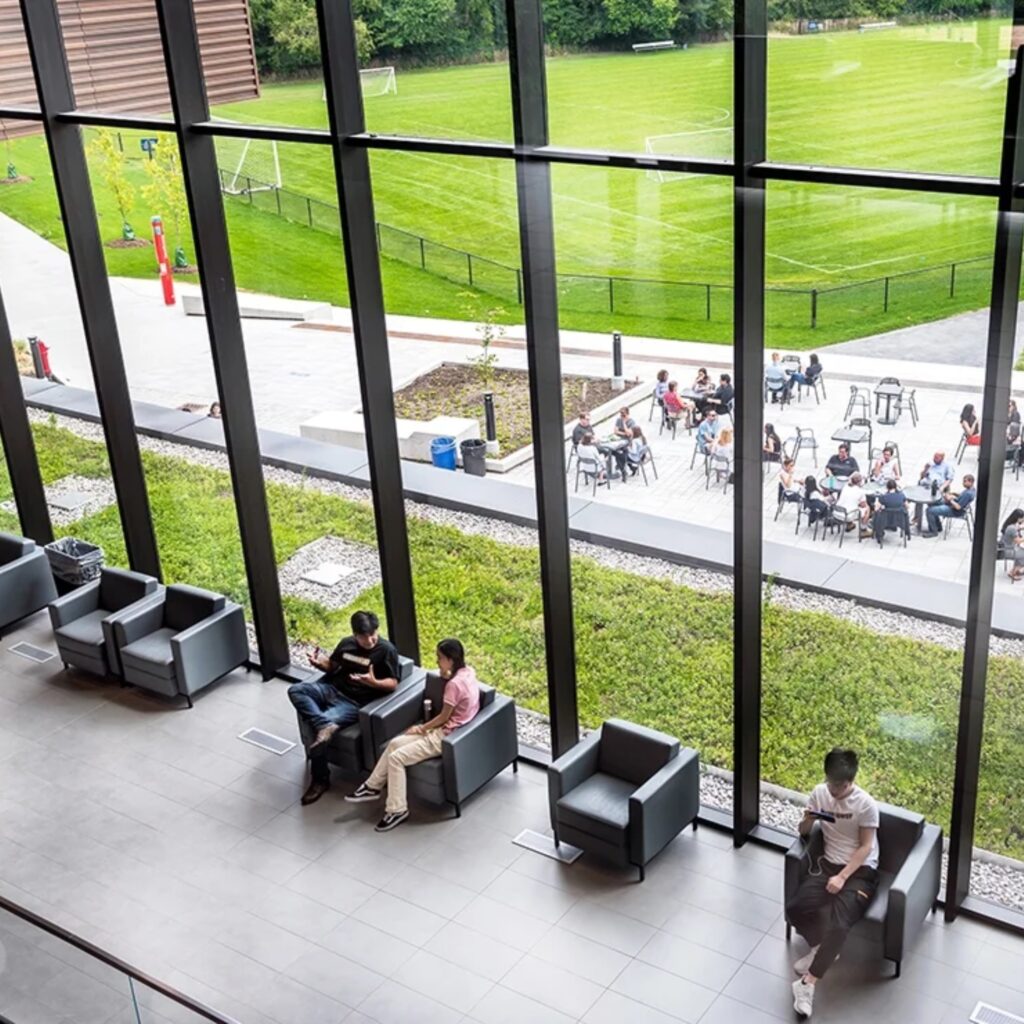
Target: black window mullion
369 327
81 230
19 448
540 309
1002 331
749 82
227 343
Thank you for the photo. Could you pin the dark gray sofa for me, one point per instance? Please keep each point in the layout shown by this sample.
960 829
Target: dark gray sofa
26 582
909 873
624 793
470 756
83 620
181 641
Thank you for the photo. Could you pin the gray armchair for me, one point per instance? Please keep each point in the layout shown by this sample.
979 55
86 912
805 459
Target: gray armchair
83 620
470 756
624 793
909 870
26 583
352 749
181 641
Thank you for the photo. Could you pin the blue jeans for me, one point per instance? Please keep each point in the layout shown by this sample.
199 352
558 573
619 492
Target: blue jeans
937 513
318 703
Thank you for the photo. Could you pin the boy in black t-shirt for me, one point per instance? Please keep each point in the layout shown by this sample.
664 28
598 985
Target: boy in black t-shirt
361 668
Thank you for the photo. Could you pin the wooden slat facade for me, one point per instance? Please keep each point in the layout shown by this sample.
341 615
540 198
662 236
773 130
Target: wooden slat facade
116 60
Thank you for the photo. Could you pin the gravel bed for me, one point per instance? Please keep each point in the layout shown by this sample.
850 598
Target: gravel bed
1002 882
359 557
99 491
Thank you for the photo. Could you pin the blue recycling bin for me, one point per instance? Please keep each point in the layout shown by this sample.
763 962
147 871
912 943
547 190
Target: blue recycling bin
442 452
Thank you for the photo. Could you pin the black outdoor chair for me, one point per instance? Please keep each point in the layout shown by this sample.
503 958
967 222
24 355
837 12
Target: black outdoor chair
776 391
878 398
906 402
590 470
887 519
721 466
909 873
861 421
573 454
817 513
643 459
813 384
669 423
859 399
966 517
789 497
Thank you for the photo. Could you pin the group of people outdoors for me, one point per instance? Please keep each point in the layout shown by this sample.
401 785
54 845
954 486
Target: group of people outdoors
706 395
360 669
780 379
842 486
628 446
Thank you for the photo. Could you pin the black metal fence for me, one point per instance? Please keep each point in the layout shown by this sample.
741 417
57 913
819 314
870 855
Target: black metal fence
795 308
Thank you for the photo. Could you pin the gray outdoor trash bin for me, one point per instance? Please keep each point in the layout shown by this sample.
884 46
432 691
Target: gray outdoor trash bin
474 456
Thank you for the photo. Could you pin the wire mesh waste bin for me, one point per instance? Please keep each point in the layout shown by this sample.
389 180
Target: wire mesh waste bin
474 455
74 561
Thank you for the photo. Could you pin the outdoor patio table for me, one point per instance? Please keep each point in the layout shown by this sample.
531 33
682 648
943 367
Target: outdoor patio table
693 396
608 446
853 435
922 496
888 392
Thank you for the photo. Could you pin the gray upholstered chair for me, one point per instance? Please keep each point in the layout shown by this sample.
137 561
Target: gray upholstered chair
909 871
470 756
181 641
624 793
352 749
83 620
26 582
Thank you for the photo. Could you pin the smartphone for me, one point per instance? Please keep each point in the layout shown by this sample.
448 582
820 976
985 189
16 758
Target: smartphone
823 816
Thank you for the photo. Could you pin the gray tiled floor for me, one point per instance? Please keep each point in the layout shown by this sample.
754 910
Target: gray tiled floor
154 832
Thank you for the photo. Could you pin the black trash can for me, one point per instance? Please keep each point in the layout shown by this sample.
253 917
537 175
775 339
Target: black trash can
474 457
74 561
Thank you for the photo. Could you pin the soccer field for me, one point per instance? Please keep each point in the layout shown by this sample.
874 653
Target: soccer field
925 98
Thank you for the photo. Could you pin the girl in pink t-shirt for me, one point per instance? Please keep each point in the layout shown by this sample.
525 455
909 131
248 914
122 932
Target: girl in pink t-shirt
421 742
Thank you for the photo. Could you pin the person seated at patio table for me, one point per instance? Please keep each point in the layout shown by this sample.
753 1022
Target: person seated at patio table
677 408
970 425
723 448
635 452
815 501
661 386
707 432
624 424
1011 529
951 508
885 467
1013 413
771 450
721 397
938 471
787 475
855 501
622 453
1017 554
806 374
587 449
702 382
776 379
843 463
582 428
892 497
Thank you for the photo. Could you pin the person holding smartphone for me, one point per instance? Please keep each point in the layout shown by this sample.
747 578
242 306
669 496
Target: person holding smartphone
363 667
836 893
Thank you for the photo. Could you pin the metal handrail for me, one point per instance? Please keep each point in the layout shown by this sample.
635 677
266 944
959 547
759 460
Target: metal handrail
115 962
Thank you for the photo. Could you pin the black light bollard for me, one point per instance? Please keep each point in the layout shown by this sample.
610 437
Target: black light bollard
37 357
490 425
618 382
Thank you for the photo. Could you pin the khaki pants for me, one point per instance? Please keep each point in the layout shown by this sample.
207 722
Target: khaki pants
401 752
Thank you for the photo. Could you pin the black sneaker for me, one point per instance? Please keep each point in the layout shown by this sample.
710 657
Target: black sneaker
390 821
363 795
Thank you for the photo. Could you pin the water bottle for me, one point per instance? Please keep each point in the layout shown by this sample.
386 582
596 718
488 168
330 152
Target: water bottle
935 487
428 710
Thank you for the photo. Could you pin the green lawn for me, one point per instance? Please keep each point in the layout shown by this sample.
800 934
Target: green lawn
647 650
921 98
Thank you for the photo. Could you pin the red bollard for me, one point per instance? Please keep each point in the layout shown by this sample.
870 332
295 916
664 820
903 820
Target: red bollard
166 275
44 358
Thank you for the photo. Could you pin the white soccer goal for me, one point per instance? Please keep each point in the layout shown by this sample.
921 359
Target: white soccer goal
702 144
375 82
247 165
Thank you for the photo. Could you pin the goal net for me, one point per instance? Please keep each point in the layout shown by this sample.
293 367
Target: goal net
375 82
247 165
702 144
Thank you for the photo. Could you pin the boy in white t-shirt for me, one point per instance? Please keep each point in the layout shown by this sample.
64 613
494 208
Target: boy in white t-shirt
842 882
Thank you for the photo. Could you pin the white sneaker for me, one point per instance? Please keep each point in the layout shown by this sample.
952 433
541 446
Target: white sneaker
803 998
803 965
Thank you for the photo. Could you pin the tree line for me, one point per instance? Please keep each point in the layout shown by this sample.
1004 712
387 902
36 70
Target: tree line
441 31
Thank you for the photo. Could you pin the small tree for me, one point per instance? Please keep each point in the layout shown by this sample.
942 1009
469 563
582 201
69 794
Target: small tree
490 330
165 193
113 165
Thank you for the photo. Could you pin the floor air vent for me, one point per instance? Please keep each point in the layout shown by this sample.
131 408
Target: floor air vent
32 652
545 845
266 741
984 1013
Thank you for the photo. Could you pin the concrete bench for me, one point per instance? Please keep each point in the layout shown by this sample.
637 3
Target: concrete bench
664 44
253 308
414 436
